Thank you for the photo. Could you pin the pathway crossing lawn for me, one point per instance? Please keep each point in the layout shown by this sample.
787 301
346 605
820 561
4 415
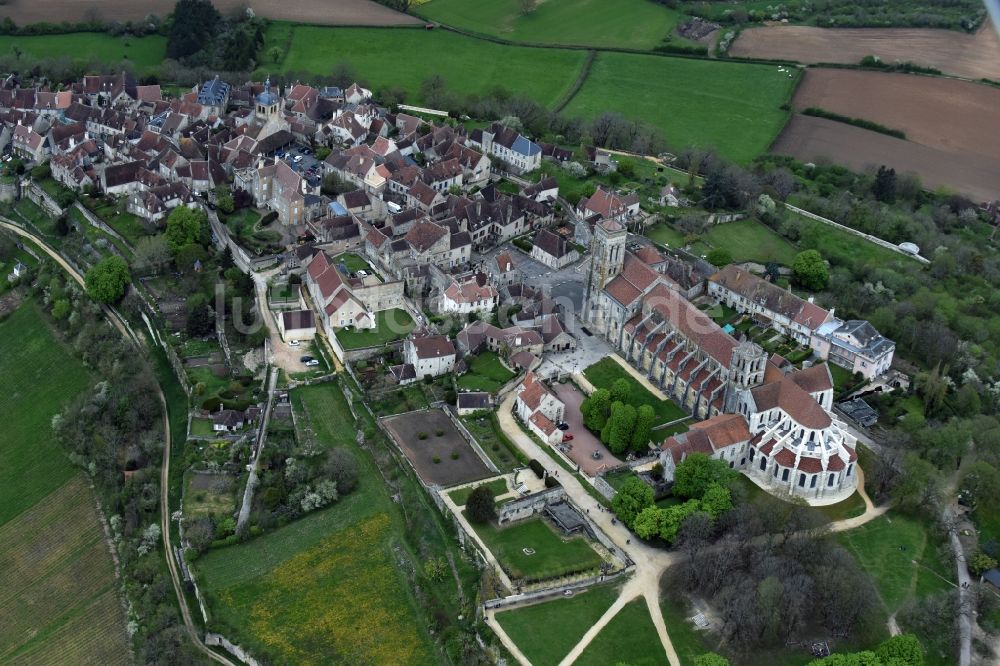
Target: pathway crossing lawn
486 373
461 496
326 587
544 75
604 373
734 108
546 632
40 377
634 24
143 52
630 637
553 554
390 325
887 548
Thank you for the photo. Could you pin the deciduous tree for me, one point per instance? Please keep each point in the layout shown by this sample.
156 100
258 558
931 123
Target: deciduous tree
481 507
106 280
810 270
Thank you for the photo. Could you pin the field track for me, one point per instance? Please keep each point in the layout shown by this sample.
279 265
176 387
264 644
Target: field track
322 12
944 114
812 139
972 56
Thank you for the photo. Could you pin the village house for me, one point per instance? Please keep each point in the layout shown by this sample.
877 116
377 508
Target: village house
539 408
297 325
471 293
520 153
430 356
553 250
608 205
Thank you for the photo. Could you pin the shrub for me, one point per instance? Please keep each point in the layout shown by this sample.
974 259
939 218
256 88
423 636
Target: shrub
421 435
551 482
437 460
439 432
537 468
481 505
455 455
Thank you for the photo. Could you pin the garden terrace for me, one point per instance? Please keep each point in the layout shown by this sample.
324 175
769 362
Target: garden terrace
532 550
434 446
390 326
486 373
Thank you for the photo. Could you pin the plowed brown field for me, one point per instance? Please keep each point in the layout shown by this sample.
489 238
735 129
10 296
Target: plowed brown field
945 114
973 56
323 12
815 139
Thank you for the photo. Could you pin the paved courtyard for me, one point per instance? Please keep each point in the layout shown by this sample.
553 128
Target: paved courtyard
566 286
589 350
584 443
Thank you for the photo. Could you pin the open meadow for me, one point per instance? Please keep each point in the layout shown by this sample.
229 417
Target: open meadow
87 47
58 593
973 56
630 637
733 108
328 587
405 57
633 24
326 12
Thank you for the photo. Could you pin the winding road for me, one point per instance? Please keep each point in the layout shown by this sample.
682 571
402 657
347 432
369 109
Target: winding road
115 320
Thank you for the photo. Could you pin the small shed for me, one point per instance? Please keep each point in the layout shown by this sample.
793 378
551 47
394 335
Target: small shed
297 325
473 401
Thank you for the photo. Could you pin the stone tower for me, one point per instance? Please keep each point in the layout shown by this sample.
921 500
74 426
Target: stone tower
607 256
746 370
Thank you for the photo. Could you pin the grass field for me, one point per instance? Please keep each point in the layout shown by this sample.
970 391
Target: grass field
629 638
734 108
486 373
59 594
887 548
604 373
843 248
546 632
390 325
634 24
327 587
405 57
40 378
497 487
554 555
749 240
143 52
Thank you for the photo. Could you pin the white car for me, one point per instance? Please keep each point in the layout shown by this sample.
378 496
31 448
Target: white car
312 363
293 343
362 273
298 158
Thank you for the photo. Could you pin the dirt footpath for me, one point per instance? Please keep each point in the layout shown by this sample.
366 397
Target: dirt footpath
322 12
972 56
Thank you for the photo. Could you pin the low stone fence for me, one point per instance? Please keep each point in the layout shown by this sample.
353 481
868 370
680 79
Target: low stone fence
448 409
872 239
527 598
42 198
98 223
218 640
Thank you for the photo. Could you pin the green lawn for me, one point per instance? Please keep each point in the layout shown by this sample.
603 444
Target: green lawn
497 487
402 400
486 373
131 227
634 24
390 325
749 240
665 234
554 555
327 585
887 548
353 262
40 376
604 373
546 632
844 248
630 637
202 428
734 108
404 57
688 642
143 52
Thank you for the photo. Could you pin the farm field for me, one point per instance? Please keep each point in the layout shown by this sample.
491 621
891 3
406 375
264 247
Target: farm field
914 104
546 632
143 52
630 637
544 75
553 556
635 24
604 373
731 107
59 594
328 12
810 139
328 586
972 56
40 379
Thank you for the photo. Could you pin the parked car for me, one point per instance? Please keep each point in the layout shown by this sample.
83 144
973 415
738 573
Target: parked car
567 437
362 273
562 425
312 362
294 343
298 158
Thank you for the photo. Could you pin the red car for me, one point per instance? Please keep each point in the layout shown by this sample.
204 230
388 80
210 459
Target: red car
567 437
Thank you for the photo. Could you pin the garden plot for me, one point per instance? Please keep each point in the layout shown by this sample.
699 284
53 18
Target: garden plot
436 449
